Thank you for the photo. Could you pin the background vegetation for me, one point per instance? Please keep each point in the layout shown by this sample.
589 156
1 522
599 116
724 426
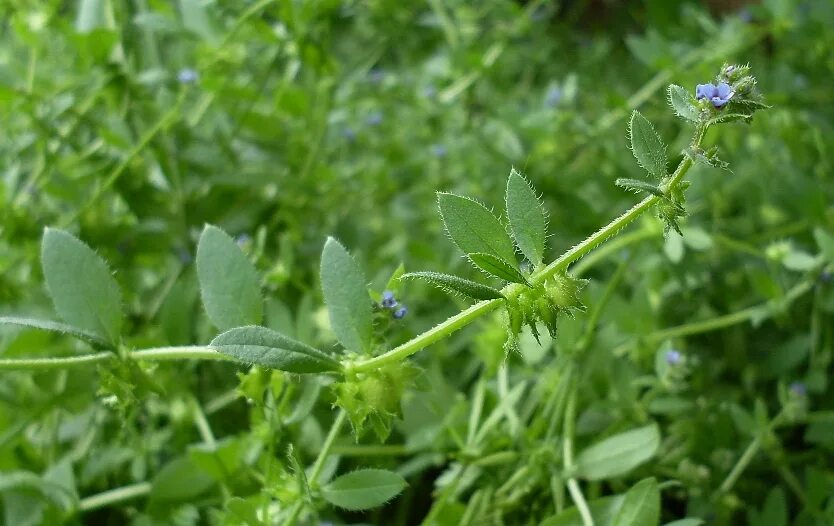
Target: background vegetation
132 123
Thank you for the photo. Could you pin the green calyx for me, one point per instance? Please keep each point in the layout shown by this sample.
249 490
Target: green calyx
373 397
542 304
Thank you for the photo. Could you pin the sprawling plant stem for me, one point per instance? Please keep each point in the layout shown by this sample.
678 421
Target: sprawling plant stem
433 335
464 318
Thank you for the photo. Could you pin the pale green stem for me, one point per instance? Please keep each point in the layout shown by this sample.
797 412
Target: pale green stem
731 319
194 352
202 424
114 496
318 465
567 454
610 248
747 457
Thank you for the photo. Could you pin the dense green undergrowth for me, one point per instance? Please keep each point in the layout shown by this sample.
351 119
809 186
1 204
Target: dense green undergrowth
686 380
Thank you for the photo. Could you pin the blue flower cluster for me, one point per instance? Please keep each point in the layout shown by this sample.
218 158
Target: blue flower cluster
391 303
718 95
187 76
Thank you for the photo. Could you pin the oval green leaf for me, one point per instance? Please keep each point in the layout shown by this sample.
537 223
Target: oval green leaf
346 297
83 291
364 489
618 454
474 229
179 480
681 101
527 218
457 285
229 283
641 506
497 267
647 146
268 348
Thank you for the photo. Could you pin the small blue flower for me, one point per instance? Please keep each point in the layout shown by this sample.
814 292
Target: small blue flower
554 95
374 119
718 95
429 91
388 300
349 134
798 389
187 76
400 313
243 240
673 357
184 255
376 75
826 277
438 150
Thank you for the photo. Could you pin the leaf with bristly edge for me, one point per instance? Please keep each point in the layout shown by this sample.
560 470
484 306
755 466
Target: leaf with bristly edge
474 229
527 217
457 285
636 185
497 267
268 348
646 145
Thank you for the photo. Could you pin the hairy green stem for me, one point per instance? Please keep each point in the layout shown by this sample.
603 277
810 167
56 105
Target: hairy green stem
435 334
114 496
191 352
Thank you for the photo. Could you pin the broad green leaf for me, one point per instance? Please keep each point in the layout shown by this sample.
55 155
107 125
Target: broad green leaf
267 348
497 267
179 480
641 506
602 510
92 14
774 512
799 260
618 454
81 286
220 460
527 218
474 229
457 285
229 283
54 326
346 296
681 101
195 18
825 242
646 145
25 481
364 489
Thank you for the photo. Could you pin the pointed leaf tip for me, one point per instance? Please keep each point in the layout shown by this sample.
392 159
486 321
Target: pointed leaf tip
83 290
346 297
646 145
229 284
527 217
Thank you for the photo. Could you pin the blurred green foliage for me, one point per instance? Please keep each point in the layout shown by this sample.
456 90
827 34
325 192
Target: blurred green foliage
134 122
